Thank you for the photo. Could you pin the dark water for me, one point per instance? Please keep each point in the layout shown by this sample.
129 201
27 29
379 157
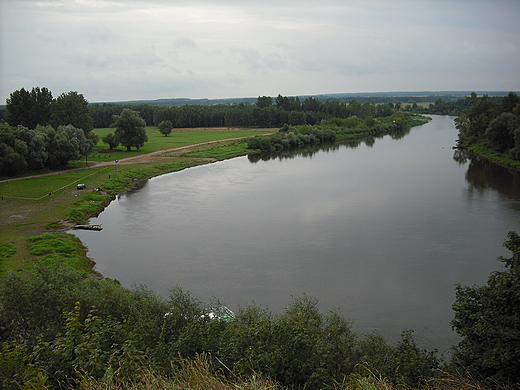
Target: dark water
382 230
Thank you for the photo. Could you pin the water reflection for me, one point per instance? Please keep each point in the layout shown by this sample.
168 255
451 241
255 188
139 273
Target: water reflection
483 175
307 152
310 150
462 156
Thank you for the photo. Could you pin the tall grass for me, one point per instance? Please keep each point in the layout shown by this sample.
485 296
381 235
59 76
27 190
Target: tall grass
194 374
198 374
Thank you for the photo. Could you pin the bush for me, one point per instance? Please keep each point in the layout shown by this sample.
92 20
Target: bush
73 325
487 318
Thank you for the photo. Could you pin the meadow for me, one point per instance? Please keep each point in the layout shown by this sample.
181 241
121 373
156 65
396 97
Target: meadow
178 138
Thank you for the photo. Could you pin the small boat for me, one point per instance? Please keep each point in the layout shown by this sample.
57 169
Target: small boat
89 227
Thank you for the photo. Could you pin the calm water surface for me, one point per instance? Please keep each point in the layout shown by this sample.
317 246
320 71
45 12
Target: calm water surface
383 230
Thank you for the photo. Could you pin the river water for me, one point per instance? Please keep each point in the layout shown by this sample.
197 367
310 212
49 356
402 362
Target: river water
382 229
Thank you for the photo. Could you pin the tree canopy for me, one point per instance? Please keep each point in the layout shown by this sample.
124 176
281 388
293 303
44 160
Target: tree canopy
23 149
42 131
71 109
29 109
488 317
264 113
495 125
130 129
165 127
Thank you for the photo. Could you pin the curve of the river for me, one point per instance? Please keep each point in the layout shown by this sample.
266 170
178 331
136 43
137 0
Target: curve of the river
382 229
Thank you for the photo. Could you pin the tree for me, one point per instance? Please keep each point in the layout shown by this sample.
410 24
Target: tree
165 127
312 104
500 131
130 129
472 125
36 141
510 102
488 319
71 109
69 143
29 109
264 101
111 140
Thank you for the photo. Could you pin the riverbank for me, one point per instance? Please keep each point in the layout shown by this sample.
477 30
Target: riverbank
51 202
487 153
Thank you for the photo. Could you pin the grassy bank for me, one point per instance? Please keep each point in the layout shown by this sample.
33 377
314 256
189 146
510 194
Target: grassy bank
490 154
31 205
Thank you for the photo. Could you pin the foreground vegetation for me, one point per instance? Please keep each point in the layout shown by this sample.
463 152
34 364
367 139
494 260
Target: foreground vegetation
63 328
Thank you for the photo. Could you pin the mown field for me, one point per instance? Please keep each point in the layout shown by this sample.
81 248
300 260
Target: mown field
178 138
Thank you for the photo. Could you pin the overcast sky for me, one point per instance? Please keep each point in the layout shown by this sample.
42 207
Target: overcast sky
149 49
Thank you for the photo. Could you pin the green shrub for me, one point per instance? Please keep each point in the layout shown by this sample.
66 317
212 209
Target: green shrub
7 250
47 243
17 370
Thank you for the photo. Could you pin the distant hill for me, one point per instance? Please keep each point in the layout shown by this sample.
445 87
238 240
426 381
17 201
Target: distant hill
378 97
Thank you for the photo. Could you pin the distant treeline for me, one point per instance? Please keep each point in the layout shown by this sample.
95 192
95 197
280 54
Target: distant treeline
266 112
275 112
373 97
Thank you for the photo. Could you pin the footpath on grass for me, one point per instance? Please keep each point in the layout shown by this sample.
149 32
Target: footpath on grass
126 160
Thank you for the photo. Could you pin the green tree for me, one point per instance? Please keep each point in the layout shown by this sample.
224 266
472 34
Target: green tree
290 103
18 107
29 109
69 143
111 140
264 101
488 317
165 127
473 125
515 151
510 102
130 129
12 152
71 109
500 131
312 104
36 141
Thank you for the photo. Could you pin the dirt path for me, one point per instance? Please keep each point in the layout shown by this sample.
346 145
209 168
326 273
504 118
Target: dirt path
128 160
150 156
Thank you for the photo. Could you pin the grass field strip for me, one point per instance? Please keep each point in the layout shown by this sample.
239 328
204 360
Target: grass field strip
59 189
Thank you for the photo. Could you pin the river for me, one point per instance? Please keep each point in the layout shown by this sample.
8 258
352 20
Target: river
381 229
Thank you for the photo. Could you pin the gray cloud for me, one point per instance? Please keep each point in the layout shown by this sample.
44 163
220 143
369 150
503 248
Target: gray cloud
184 42
112 50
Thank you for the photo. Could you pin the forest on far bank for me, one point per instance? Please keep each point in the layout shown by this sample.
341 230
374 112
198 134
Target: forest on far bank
38 131
267 111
